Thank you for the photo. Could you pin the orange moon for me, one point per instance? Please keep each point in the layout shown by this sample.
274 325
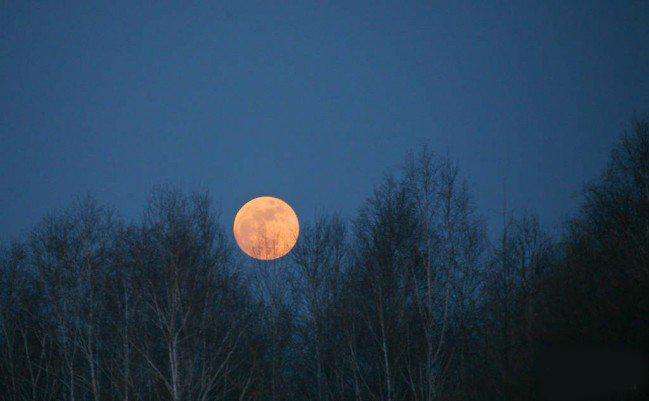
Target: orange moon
266 228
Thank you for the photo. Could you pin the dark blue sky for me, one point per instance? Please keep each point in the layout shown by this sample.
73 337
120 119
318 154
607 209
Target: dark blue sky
311 102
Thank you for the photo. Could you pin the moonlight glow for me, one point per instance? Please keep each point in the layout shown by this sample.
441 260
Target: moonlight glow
266 228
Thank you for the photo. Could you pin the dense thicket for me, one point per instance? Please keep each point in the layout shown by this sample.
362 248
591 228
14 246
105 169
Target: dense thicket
408 301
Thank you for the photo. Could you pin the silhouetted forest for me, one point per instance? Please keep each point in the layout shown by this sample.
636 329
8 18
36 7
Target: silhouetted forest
410 300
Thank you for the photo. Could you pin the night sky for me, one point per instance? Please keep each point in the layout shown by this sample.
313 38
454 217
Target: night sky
311 102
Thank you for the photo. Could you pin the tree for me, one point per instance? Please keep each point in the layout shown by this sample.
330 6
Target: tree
193 314
320 259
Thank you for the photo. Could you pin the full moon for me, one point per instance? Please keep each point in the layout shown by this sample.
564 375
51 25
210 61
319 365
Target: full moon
266 228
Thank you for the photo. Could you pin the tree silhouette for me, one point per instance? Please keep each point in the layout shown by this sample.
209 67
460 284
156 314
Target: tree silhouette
408 300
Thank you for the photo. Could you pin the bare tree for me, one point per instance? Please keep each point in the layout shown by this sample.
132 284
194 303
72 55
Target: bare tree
187 296
320 259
